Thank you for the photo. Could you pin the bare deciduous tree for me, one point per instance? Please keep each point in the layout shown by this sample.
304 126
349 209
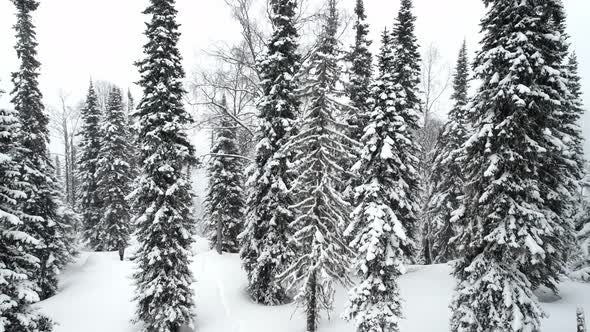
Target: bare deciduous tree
64 123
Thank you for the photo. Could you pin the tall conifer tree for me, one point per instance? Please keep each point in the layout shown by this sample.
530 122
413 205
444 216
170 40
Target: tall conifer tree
17 291
321 255
264 249
113 174
380 235
405 71
90 203
513 233
225 197
40 209
581 266
447 180
359 88
163 197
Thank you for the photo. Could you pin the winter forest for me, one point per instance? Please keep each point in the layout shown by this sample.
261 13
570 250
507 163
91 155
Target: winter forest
306 178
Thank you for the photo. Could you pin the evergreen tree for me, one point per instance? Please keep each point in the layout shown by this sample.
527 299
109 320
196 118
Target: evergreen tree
17 291
163 197
133 154
90 203
225 197
40 217
562 166
447 180
322 256
359 88
380 235
113 175
581 266
264 249
405 72
509 233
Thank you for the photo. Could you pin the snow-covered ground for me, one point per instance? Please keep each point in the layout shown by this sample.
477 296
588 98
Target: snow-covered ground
96 296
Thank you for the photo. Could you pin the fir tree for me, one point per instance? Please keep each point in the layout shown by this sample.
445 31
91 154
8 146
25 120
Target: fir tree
581 266
113 175
359 88
163 197
447 173
322 256
90 203
380 235
562 166
509 232
225 197
264 249
40 217
405 71
17 291
133 154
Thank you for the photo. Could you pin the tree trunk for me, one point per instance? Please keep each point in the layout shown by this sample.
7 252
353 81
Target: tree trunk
219 237
73 182
581 322
312 303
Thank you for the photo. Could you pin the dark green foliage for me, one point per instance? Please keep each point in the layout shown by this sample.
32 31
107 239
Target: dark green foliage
113 174
264 249
90 203
162 199
40 217
225 197
447 178
405 75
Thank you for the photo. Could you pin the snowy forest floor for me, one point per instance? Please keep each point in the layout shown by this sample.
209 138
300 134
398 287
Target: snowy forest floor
96 296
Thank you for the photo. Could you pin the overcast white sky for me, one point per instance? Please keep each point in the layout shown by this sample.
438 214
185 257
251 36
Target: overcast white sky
102 38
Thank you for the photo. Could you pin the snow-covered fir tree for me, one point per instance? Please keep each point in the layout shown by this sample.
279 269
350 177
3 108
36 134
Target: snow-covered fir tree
511 232
361 71
581 259
562 167
446 192
580 267
90 203
322 257
163 196
405 72
225 196
380 234
40 209
131 130
113 174
17 291
264 249
358 91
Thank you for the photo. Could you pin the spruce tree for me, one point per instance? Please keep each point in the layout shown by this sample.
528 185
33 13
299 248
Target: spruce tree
562 166
358 91
40 217
90 203
405 71
447 180
380 234
113 174
572 115
322 256
17 291
225 196
163 197
264 249
509 233
580 267
359 88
